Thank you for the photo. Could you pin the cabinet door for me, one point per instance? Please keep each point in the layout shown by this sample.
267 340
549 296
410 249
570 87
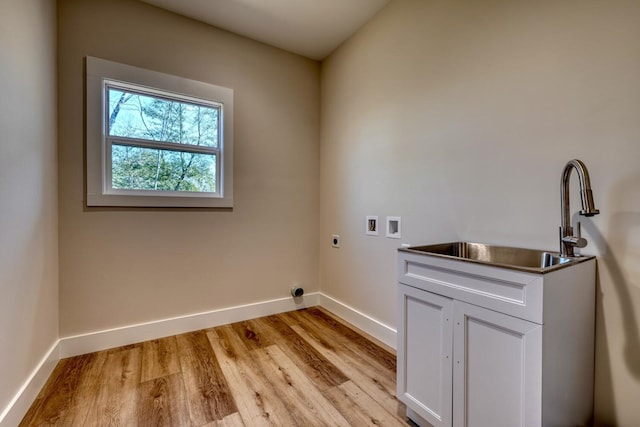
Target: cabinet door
497 370
425 346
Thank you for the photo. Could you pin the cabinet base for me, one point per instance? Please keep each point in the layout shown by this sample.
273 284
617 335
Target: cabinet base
416 419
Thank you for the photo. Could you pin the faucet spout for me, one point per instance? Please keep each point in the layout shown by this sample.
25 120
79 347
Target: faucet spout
567 240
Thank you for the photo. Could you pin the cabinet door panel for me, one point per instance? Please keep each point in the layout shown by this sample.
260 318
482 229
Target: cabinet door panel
425 350
497 369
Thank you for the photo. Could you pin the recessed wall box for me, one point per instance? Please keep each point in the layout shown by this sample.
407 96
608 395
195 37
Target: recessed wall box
372 225
394 227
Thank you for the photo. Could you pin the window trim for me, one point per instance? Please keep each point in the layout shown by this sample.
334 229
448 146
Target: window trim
99 74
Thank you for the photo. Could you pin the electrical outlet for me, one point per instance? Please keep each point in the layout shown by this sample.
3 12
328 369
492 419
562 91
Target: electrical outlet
335 241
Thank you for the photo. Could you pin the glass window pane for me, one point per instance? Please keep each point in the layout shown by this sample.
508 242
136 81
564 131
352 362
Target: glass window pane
137 168
136 115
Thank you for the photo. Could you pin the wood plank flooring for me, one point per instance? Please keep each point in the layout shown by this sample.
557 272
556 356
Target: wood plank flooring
301 368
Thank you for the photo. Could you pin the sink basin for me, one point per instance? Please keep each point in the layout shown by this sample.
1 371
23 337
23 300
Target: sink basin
503 256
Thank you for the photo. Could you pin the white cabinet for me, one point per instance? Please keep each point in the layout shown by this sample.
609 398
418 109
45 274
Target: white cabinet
428 351
485 346
496 371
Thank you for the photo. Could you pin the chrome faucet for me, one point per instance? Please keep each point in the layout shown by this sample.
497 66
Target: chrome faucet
567 240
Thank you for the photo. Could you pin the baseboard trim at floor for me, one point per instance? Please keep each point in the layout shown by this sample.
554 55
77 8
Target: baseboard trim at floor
111 338
20 404
373 327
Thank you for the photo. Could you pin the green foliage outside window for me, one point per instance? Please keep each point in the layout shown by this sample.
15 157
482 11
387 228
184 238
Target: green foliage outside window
143 117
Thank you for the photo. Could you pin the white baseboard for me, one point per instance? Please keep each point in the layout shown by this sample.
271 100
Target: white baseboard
102 340
373 327
19 405
111 338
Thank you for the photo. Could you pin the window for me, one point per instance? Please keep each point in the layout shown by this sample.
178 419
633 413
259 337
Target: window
156 140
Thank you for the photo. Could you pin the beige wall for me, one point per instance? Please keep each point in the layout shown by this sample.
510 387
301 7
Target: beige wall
459 116
28 191
121 267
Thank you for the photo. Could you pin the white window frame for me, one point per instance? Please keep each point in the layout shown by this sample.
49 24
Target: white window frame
102 74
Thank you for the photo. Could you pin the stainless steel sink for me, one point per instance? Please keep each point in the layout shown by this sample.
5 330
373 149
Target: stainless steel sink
503 256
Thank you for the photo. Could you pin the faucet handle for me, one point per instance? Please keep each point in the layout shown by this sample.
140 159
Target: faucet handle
576 241
582 242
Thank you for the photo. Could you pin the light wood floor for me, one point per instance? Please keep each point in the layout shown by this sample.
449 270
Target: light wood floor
302 368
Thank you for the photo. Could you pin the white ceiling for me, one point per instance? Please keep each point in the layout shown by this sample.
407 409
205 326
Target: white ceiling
312 28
